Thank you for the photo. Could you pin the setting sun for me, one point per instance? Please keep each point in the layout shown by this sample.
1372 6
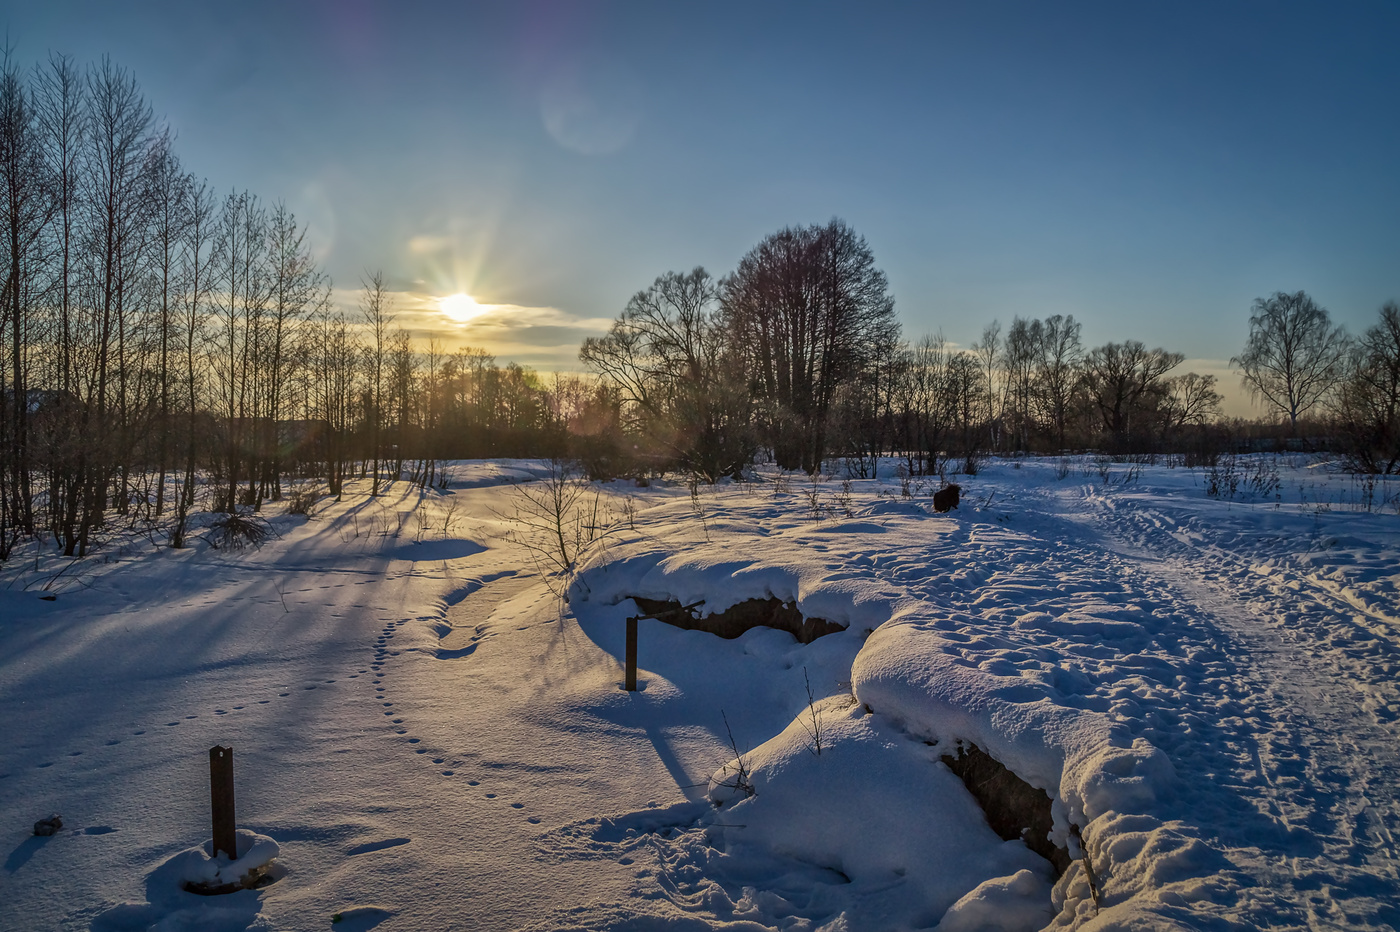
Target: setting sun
460 307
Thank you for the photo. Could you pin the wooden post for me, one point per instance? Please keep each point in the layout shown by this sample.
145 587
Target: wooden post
632 654
221 800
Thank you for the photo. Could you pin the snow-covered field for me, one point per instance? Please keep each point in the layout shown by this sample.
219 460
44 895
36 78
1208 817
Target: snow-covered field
434 739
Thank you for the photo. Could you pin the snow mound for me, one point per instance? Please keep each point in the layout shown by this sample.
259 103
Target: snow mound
880 810
1006 904
174 908
200 867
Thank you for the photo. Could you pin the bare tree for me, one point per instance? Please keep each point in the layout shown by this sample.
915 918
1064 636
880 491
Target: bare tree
295 288
62 117
807 307
1293 356
403 379
169 195
195 277
926 403
668 355
966 387
240 299
1192 400
119 138
1018 362
1057 373
335 355
374 308
432 370
1126 388
26 207
1368 404
987 351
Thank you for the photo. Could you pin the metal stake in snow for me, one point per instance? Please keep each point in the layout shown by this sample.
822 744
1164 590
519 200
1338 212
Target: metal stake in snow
221 800
632 654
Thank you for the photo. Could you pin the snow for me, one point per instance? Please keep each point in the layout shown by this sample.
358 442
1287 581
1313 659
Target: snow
1207 689
200 866
877 808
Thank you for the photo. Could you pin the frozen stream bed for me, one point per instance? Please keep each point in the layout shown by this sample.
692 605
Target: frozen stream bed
436 740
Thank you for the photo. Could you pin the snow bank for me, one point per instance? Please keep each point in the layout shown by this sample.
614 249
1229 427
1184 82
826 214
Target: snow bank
1091 766
1094 771
877 803
880 810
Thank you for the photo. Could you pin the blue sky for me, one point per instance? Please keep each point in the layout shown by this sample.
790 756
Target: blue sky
1149 168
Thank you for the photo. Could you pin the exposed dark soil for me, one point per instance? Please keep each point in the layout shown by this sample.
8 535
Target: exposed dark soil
1014 808
732 622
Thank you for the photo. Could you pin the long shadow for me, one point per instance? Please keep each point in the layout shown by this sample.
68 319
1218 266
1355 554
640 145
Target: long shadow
691 787
24 851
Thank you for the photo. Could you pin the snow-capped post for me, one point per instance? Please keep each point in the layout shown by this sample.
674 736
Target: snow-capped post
632 654
221 800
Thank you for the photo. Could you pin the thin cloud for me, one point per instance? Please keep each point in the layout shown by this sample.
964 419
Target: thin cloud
540 337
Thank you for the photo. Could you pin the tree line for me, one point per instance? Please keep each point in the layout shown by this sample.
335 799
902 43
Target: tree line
158 338
798 352
160 341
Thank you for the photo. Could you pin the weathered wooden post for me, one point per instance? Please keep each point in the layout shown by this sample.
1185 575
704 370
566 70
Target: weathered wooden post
632 654
221 801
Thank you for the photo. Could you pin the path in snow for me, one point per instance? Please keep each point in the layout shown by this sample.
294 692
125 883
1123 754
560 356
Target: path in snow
1315 702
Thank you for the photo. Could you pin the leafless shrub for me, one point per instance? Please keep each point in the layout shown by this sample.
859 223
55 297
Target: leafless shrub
697 504
814 729
843 500
449 517
303 500
1262 478
1223 477
236 532
904 488
741 780
556 518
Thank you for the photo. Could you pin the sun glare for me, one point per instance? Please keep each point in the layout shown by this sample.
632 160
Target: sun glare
460 307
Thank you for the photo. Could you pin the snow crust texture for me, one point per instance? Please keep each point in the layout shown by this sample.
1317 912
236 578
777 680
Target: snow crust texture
1206 689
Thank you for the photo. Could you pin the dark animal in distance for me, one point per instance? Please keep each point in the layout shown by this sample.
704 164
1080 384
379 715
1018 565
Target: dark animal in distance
946 497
